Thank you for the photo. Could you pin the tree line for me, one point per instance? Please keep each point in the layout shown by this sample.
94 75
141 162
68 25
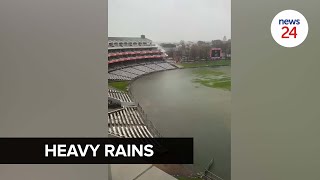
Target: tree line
201 49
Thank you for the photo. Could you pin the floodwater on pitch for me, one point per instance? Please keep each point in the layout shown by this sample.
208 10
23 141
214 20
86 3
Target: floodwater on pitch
179 107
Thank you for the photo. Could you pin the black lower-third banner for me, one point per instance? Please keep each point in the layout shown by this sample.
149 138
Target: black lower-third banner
96 150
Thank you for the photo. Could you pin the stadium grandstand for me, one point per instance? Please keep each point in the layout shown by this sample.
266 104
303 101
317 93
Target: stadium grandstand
128 59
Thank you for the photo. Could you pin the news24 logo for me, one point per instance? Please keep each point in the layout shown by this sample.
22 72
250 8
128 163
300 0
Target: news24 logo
289 28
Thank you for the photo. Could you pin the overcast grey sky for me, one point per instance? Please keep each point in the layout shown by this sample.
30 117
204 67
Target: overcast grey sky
170 20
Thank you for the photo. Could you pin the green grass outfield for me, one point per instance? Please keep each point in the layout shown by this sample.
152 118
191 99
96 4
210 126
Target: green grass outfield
206 63
119 85
212 78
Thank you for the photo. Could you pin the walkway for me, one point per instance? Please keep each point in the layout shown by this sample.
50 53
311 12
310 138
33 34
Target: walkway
138 172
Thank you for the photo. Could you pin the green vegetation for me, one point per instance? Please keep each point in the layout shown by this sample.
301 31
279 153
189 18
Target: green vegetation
206 63
212 78
120 85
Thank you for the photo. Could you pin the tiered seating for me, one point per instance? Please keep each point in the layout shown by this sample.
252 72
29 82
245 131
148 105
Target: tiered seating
144 68
166 65
155 67
122 96
129 58
124 73
133 71
117 77
128 123
128 73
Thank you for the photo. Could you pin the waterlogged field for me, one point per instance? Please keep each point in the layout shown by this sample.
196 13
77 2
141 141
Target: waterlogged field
206 63
205 76
211 77
192 102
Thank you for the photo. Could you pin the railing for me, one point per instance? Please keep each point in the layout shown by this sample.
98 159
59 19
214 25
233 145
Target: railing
133 52
130 93
131 47
134 58
147 122
153 130
210 176
116 135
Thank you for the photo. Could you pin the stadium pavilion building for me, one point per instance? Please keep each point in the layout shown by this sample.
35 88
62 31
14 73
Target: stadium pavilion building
128 59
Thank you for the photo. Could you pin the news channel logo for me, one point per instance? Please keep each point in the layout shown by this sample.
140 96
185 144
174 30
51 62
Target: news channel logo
289 28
